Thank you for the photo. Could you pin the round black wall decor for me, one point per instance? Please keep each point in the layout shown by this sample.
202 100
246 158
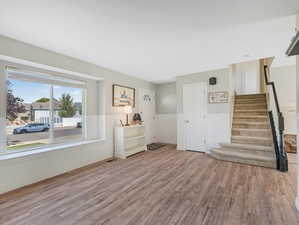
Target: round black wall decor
212 80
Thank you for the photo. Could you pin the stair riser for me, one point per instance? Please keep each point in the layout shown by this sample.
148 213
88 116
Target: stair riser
238 102
246 147
250 111
250 114
250 97
252 141
257 152
251 133
248 106
236 119
250 126
242 114
262 96
269 164
250 101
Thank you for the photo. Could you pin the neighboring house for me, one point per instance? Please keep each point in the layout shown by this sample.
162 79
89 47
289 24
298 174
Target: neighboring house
40 112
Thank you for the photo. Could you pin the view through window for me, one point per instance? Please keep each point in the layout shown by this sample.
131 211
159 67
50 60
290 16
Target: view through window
67 113
41 113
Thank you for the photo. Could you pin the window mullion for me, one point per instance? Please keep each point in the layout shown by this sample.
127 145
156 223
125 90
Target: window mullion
84 114
3 102
51 137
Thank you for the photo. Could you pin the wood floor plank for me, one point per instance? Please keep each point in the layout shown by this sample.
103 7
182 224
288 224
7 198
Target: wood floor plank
164 187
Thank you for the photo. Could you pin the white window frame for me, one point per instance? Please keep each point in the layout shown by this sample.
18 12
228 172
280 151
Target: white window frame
52 144
46 69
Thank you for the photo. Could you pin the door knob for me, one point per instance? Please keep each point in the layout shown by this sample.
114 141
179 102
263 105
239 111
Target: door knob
187 121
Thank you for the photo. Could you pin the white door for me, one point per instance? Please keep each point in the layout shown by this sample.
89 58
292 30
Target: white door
240 83
148 111
247 78
194 108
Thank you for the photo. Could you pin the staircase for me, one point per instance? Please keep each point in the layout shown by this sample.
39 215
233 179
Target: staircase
251 140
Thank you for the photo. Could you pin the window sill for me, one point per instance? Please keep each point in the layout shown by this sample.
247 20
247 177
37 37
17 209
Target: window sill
5 156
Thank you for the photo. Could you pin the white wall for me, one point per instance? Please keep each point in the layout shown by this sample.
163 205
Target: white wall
285 82
297 110
166 127
166 118
218 115
18 172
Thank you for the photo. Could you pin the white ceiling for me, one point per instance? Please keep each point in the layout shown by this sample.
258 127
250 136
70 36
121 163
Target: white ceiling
155 40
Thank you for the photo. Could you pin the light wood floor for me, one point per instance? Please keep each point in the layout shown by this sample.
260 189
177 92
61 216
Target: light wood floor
165 187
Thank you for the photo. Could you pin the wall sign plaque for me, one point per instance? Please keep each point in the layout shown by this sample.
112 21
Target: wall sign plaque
218 97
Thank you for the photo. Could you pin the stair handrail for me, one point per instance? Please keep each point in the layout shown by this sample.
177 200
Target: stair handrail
275 142
282 161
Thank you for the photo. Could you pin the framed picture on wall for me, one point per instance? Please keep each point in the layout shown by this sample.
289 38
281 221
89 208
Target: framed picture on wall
123 96
218 97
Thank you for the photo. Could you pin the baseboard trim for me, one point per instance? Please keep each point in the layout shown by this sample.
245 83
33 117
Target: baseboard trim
180 148
28 188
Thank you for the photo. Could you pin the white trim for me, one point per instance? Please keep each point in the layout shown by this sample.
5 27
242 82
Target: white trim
46 149
297 199
12 72
46 67
3 92
51 136
84 114
180 148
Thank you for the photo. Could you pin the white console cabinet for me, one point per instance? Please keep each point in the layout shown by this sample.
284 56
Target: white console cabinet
129 140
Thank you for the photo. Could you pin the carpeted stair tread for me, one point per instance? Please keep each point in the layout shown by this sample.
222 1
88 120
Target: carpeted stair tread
244 158
264 141
251 129
251 132
250 117
249 110
243 155
250 96
251 136
250 122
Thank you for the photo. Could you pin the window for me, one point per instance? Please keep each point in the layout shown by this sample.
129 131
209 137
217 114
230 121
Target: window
67 113
43 110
